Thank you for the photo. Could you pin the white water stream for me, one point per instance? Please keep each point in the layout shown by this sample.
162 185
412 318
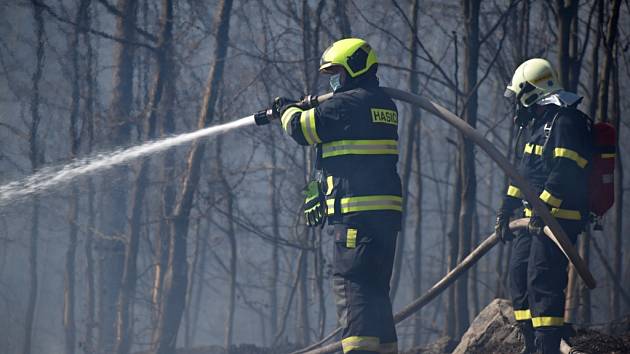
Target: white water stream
52 177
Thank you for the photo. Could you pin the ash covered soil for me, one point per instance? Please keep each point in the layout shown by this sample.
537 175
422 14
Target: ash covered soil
493 331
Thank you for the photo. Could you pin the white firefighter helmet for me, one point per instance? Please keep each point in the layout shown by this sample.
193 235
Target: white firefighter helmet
533 80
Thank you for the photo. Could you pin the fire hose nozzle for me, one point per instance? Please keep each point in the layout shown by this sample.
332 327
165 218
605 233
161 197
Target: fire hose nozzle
263 117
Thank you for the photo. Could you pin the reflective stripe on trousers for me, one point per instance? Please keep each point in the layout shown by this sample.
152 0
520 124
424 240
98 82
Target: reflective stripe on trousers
362 265
370 344
522 315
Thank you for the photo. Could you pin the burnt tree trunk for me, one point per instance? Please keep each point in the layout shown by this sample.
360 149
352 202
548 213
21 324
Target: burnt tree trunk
567 52
176 276
418 269
114 218
619 190
167 122
407 162
453 234
69 297
36 156
124 330
569 63
90 83
609 41
192 287
414 136
230 233
468 177
584 314
275 230
343 21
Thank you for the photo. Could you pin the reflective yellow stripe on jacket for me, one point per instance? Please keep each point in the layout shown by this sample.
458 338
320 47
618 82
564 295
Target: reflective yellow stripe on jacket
286 118
366 203
514 192
548 198
571 155
560 213
307 123
360 147
533 149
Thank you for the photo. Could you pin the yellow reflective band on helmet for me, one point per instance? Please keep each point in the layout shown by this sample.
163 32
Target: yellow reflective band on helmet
373 202
548 198
360 343
286 117
522 315
533 149
389 348
351 238
571 155
547 321
608 156
360 147
514 192
307 122
559 213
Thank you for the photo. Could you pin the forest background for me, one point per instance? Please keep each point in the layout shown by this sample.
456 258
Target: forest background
204 244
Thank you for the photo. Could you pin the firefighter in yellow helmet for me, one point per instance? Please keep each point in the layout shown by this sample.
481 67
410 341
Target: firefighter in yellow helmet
555 158
357 189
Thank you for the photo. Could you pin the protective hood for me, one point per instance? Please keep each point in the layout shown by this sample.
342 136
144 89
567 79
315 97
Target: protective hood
561 98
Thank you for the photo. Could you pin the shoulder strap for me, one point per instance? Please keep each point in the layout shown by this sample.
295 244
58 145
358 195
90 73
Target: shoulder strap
548 129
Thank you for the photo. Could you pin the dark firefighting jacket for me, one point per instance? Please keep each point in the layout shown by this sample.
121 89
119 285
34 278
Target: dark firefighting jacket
356 136
555 161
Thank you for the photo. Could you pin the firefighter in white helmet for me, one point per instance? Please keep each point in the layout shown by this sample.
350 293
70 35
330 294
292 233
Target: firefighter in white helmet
554 160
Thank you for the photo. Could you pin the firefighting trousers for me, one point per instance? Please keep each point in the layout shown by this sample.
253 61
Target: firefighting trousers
363 261
538 279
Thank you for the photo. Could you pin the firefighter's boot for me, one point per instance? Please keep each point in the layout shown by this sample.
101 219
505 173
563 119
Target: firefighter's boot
527 334
548 340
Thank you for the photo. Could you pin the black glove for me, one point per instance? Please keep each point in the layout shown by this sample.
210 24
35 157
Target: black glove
314 204
502 226
536 225
281 104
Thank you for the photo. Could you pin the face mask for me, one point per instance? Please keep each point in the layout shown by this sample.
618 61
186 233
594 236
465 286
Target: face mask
335 82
